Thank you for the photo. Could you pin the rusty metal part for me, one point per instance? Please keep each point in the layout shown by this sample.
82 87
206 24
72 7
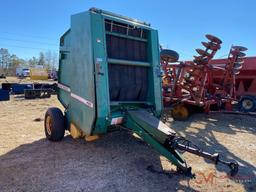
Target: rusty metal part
213 38
169 55
202 52
240 48
211 45
194 84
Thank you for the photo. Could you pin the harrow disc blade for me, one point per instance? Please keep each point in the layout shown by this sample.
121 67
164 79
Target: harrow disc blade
239 54
236 71
169 55
238 63
213 39
239 60
238 67
202 52
197 57
212 46
240 48
200 60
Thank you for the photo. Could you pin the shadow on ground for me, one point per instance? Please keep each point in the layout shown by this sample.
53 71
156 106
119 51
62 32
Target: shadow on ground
224 134
116 162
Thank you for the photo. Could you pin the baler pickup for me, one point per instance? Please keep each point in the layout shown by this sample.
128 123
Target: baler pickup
165 140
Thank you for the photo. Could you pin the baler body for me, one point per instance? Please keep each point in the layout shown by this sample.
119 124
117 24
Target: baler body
108 63
109 74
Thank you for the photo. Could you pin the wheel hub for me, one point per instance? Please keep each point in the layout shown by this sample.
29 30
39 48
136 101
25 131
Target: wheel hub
180 112
49 125
247 104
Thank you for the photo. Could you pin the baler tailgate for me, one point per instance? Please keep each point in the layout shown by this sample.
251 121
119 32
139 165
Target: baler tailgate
152 125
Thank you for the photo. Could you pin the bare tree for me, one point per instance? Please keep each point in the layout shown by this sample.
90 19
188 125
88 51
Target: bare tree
55 60
50 59
4 58
33 62
41 60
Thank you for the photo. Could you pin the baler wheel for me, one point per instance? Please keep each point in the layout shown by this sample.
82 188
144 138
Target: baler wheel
180 112
54 124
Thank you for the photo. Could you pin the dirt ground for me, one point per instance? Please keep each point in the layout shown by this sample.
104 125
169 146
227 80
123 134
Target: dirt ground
119 161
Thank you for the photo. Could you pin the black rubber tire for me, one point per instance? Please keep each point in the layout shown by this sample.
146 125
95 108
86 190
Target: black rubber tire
180 112
251 103
57 124
172 56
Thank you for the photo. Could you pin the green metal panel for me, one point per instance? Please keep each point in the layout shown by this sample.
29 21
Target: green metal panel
155 78
85 71
151 124
82 105
84 82
173 156
101 72
64 69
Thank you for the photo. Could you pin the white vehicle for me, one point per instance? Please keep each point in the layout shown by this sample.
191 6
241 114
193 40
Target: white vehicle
22 72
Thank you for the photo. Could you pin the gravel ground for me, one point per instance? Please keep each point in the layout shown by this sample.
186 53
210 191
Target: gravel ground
119 161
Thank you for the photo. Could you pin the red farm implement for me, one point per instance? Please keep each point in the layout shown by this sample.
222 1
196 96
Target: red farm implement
190 85
245 82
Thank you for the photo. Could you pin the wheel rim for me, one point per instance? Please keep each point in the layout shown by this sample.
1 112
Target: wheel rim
48 125
247 104
180 112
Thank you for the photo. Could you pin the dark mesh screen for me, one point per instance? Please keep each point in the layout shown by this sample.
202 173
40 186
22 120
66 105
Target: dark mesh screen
125 29
127 83
126 42
120 44
127 49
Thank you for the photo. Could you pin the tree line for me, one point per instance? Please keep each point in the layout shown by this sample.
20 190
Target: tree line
9 62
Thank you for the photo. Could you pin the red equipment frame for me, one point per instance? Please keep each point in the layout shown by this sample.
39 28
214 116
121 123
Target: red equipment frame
191 83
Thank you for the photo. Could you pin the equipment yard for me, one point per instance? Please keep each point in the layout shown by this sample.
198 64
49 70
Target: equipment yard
115 104
30 162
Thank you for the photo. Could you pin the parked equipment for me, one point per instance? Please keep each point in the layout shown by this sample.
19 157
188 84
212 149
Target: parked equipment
245 82
22 72
17 89
109 75
51 87
2 76
38 74
4 95
191 84
31 91
8 86
37 93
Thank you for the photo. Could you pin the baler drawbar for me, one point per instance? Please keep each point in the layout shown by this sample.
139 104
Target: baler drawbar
167 142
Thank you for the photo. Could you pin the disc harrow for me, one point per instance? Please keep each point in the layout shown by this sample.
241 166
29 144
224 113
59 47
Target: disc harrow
190 83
